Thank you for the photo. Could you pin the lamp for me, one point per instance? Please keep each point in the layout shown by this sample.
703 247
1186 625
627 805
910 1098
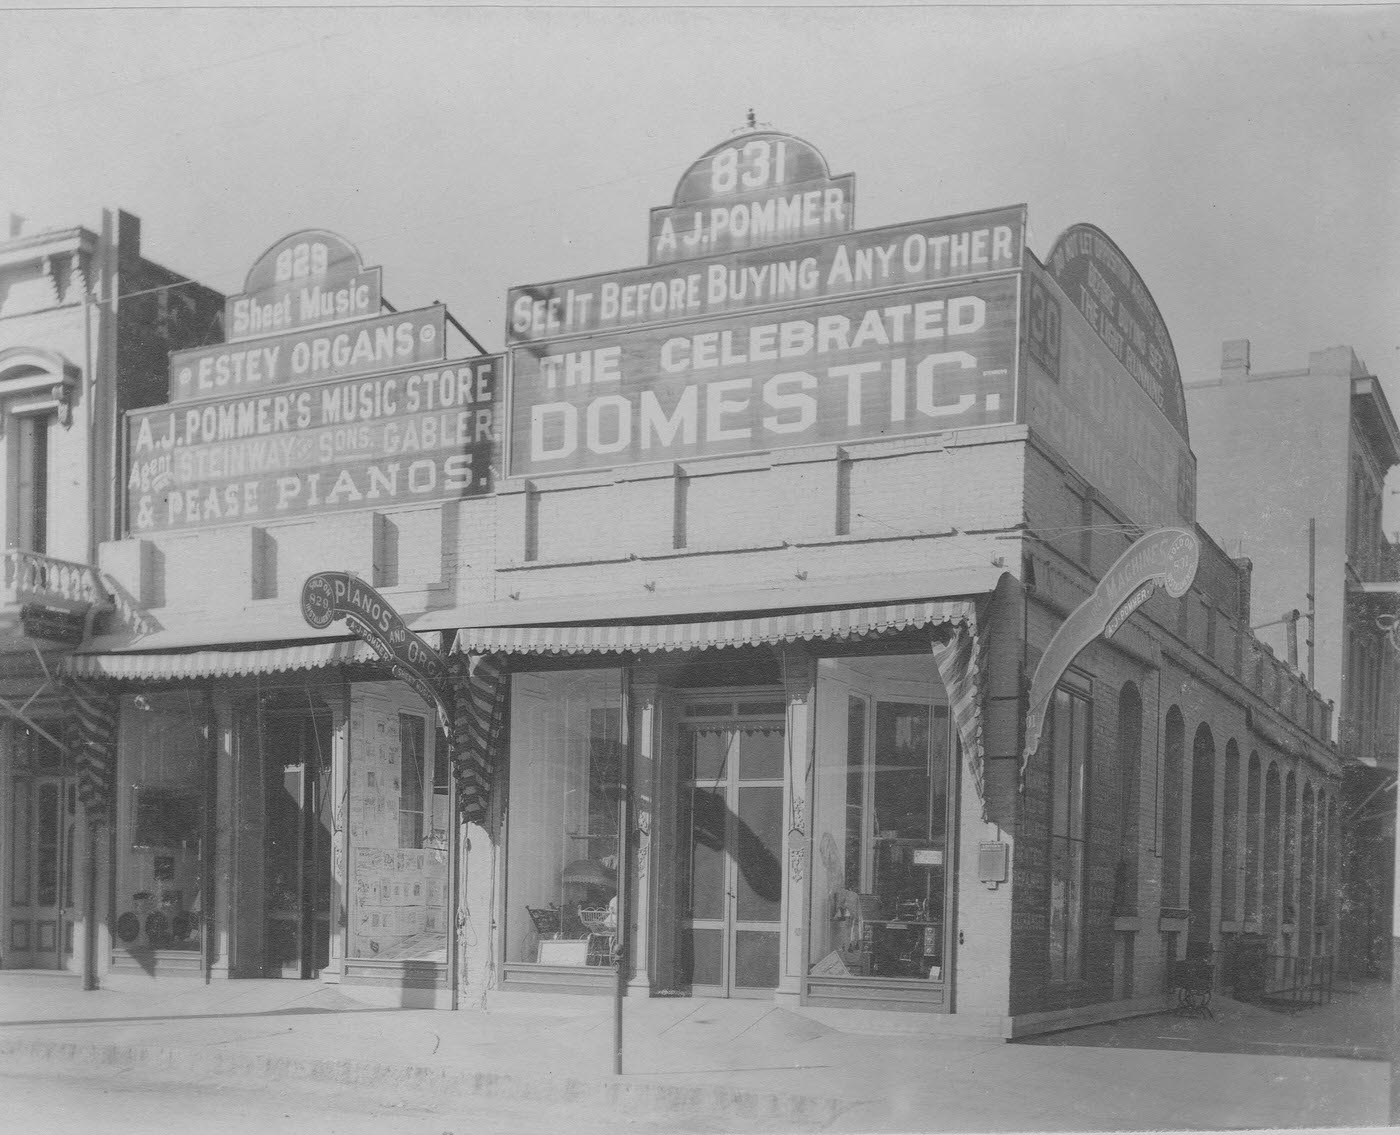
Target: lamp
588 873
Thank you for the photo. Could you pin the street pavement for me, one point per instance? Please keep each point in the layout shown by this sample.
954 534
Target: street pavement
703 1065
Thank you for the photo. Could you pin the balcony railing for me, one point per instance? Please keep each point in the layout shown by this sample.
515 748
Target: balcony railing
31 577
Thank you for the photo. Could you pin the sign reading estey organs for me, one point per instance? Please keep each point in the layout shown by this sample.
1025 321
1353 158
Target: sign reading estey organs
763 187
899 256
1165 558
328 596
367 442
398 340
307 279
905 363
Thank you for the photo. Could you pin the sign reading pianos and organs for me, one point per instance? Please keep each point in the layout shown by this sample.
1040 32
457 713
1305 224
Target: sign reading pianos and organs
328 596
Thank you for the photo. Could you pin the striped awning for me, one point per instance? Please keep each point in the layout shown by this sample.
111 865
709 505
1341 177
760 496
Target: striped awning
757 630
217 663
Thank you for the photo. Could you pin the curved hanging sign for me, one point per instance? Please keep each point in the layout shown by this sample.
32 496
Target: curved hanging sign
328 596
1103 284
306 279
758 188
1165 558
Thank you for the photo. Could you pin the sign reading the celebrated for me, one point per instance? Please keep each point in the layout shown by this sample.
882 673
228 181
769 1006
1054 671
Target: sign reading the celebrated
369 442
762 187
328 596
906 363
1166 558
1101 282
307 279
872 260
403 339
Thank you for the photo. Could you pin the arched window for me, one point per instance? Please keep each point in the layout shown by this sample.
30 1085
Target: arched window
1230 866
1173 758
1273 851
1290 850
1129 797
1202 843
1254 825
1306 872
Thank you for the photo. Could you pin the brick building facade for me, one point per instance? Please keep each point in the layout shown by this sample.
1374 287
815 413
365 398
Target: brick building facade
790 613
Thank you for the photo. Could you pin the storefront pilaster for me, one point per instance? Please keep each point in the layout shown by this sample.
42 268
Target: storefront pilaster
644 695
799 680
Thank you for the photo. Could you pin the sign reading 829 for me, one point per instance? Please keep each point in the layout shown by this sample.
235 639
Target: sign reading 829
303 259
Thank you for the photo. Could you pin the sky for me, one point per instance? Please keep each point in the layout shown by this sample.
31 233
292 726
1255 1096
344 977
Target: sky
1243 157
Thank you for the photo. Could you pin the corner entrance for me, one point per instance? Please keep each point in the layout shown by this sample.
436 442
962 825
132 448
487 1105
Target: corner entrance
731 758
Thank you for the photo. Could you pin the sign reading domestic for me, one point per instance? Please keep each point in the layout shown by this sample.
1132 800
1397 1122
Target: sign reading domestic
307 279
417 435
1101 282
398 340
763 187
906 363
872 260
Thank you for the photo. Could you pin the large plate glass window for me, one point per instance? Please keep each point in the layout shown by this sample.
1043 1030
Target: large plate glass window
1069 774
884 776
561 869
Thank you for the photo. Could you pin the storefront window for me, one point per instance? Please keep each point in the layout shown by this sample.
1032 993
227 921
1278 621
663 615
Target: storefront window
565 763
398 828
163 757
1069 769
881 818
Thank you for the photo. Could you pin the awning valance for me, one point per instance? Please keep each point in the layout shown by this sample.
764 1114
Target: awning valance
217 663
755 630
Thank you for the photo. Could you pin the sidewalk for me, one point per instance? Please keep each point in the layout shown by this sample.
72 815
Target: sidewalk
747 1063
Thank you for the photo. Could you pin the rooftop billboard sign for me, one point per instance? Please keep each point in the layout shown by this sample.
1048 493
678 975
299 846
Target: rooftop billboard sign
862 262
308 279
912 362
762 187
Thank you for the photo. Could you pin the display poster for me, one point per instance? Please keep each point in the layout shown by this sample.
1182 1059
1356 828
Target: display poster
761 187
906 363
308 279
1099 420
402 339
1106 289
872 260
415 435
398 895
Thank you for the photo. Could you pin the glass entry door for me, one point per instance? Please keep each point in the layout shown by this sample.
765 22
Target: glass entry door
732 763
43 801
297 848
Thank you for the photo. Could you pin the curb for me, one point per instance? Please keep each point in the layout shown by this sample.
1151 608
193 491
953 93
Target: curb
623 1095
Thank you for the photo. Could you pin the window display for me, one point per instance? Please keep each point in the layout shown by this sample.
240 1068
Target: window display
398 819
163 758
565 764
883 774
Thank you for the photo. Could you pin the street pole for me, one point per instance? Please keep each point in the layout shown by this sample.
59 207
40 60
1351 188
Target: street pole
624 852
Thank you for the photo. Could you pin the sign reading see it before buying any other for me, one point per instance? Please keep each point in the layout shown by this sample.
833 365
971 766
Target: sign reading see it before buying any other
403 339
368 442
759 188
308 279
871 260
904 363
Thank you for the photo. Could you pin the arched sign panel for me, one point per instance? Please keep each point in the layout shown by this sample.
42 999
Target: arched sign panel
1101 282
759 188
306 279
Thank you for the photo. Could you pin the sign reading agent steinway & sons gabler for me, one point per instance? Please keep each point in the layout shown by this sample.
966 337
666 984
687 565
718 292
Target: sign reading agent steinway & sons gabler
322 413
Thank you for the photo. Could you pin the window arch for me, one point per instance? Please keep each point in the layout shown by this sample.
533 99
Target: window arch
1129 797
1230 866
1254 825
1201 850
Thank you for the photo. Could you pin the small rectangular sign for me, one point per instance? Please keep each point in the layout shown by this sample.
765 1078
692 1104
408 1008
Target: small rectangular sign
388 341
914 362
367 442
871 260
299 304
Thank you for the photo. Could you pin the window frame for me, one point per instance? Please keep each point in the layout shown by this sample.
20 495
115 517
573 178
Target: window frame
1065 951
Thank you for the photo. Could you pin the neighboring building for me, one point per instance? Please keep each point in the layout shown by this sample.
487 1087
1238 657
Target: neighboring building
775 532
1293 468
85 324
